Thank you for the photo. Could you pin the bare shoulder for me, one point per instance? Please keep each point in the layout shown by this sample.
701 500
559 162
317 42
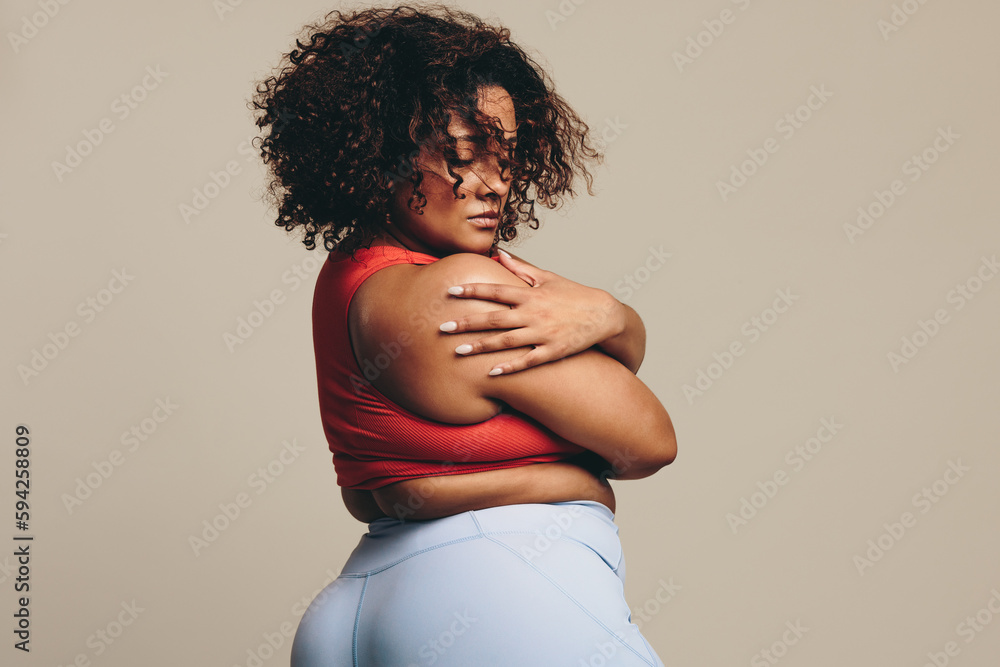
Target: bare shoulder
395 317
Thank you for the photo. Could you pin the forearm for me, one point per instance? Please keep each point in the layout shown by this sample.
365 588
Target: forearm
628 346
445 495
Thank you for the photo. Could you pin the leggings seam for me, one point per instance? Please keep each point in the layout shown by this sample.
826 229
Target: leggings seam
569 597
357 623
482 533
584 545
614 568
382 568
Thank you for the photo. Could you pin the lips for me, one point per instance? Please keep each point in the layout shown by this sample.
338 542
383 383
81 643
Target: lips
487 219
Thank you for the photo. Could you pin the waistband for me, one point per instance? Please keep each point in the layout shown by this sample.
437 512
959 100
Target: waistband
390 541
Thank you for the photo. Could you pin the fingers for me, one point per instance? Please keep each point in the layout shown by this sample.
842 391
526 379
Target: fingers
527 272
540 354
536 357
508 294
502 341
497 319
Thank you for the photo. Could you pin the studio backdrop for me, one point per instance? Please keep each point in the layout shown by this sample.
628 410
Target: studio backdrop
799 199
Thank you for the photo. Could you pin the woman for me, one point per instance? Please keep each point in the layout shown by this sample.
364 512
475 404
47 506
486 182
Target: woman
413 141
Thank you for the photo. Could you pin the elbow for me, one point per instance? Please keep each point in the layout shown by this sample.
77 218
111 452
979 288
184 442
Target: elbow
662 456
668 452
660 452
669 447
664 449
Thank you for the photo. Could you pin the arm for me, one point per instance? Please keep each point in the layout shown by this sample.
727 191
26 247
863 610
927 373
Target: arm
587 398
557 316
628 346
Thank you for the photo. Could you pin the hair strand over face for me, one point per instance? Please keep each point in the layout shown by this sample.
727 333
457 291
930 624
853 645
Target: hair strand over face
345 114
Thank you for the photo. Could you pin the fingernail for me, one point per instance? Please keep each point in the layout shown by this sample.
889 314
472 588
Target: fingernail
449 326
463 349
455 290
496 371
507 255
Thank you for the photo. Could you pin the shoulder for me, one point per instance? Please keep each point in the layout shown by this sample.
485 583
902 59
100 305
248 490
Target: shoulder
400 308
459 268
411 294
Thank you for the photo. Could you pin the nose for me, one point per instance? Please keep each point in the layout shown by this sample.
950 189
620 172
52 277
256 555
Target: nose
490 179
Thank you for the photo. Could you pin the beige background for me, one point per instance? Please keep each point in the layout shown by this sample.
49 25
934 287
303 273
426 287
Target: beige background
673 133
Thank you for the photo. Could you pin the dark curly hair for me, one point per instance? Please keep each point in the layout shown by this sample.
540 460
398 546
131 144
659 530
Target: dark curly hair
344 116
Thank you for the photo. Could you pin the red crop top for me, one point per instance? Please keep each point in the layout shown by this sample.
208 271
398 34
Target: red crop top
377 442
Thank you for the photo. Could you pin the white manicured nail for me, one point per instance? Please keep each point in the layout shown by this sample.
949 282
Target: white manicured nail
496 371
449 326
455 290
505 254
463 349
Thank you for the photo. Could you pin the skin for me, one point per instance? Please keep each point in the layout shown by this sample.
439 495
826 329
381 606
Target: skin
455 374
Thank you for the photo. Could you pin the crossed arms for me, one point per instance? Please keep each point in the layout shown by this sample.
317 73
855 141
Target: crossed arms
571 384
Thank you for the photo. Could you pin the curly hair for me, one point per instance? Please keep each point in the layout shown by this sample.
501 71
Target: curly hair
344 115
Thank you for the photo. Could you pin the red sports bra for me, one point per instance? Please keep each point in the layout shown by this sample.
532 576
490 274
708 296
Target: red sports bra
377 442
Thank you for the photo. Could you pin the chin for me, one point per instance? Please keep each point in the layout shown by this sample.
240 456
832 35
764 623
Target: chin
474 246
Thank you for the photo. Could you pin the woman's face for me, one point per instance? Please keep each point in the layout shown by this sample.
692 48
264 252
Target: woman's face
449 225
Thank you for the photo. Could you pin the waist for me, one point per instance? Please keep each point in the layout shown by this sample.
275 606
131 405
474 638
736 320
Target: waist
389 541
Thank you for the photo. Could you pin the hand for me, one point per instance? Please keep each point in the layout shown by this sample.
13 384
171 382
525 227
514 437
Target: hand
556 316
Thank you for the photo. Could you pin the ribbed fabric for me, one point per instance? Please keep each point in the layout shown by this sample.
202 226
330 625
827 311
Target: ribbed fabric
377 442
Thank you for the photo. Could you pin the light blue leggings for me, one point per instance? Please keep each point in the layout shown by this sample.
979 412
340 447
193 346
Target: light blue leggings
516 585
